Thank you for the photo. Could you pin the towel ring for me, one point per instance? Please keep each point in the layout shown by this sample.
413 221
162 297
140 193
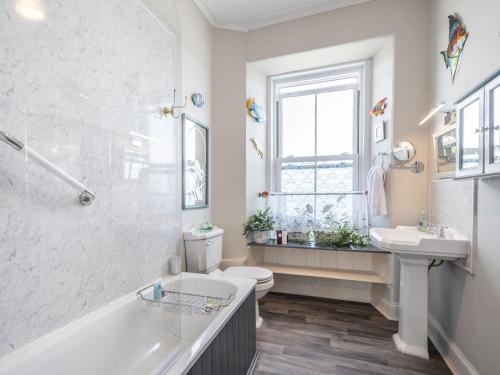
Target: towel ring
375 158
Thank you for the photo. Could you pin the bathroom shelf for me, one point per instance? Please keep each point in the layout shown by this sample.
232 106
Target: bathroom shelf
296 245
326 273
184 303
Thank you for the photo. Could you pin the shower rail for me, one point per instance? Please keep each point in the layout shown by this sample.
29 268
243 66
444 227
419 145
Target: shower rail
86 196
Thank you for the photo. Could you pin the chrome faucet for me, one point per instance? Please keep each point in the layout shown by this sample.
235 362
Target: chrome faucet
442 232
437 230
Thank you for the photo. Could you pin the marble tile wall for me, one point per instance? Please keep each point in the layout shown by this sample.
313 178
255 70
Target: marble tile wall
451 204
81 83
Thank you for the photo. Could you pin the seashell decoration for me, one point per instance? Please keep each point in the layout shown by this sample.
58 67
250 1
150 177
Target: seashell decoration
257 147
197 100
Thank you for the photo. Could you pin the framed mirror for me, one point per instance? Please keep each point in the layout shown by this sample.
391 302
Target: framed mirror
194 164
446 152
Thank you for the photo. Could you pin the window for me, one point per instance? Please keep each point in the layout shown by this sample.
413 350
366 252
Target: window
317 145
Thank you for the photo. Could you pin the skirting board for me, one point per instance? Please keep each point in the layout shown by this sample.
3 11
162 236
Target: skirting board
388 309
451 353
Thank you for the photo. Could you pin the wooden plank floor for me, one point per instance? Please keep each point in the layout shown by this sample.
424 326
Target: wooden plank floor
306 335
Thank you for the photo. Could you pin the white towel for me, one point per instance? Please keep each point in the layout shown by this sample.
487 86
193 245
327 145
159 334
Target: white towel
376 191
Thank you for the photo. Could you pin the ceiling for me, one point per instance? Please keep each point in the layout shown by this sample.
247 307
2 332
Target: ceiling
245 15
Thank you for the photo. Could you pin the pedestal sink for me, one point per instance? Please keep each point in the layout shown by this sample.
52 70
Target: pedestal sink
416 250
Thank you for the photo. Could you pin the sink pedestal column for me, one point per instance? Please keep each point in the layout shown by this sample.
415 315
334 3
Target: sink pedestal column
413 306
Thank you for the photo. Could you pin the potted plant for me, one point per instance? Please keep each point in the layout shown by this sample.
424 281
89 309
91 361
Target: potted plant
342 234
259 224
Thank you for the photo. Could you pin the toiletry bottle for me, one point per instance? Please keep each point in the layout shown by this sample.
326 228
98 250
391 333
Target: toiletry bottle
312 240
284 235
157 290
279 236
422 224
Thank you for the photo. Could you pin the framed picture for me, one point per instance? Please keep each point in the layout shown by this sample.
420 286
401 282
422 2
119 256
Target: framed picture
379 131
194 164
446 152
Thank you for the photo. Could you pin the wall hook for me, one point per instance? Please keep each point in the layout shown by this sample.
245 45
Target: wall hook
170 111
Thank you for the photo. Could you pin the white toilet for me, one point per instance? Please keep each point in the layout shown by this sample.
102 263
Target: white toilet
204 255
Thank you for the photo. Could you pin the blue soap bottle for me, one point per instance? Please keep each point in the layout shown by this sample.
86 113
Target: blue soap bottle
157 291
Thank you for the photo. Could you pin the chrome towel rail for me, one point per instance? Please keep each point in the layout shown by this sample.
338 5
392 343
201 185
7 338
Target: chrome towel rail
415 167
86 196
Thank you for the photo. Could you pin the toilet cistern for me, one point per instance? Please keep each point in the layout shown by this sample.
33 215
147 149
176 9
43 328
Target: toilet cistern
204 255
416 250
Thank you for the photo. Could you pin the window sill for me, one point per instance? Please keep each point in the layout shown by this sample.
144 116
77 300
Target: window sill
295 245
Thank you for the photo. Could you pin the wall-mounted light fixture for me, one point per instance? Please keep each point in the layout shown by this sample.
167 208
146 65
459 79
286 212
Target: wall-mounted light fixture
431 113
30 9
170 111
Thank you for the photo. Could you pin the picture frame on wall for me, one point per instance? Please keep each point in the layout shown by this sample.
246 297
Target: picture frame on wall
379 131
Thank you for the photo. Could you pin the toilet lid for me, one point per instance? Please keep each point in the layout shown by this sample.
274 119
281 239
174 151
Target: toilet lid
262 275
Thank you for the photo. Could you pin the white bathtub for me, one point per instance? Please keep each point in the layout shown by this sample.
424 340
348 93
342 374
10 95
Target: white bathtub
129 337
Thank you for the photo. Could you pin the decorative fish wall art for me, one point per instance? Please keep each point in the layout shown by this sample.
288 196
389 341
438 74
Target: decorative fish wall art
379 108
255 110
456 42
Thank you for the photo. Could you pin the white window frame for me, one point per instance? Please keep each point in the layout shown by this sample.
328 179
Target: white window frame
295 79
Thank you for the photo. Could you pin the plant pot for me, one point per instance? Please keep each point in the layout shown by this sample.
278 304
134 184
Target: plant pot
260 236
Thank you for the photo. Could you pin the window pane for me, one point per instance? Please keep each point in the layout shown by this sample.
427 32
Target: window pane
320 85
298 126
297 177
334 176
335 122
470 136
337 207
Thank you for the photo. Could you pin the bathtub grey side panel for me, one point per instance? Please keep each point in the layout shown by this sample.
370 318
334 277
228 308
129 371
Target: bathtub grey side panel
231 352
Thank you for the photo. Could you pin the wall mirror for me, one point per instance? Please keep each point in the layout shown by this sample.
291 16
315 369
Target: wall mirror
404 151
446 153
194 164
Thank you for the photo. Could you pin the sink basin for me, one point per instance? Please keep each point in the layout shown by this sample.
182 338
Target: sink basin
409 241
415 251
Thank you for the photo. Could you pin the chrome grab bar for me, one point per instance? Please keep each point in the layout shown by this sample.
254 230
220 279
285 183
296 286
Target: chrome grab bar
86 196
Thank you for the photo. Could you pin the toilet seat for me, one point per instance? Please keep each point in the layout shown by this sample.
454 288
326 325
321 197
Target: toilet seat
261 275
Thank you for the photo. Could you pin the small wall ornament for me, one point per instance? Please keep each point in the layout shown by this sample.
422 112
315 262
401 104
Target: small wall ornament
456 41
255 111
257 147
379 131
379 108
197 99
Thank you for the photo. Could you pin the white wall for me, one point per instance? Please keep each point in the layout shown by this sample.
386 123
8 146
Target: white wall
467 306
382 83
229 139
196 35
382 80
256 87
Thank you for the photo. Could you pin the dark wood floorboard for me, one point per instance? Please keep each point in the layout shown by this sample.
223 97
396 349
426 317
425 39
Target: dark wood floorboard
306 335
